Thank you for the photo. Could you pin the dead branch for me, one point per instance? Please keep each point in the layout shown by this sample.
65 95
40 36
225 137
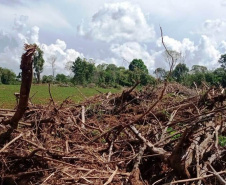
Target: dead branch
111 177
196 179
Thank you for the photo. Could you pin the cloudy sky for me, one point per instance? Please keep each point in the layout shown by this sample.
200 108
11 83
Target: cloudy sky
113 31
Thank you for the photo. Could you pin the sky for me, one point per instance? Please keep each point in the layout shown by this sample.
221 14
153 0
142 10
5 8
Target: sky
113 31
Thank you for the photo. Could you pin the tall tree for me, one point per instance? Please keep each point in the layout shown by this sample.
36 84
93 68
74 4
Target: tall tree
38 63
160 73
139 71
52 61
83 71
222 61
178 57
220 74
138 66
179 72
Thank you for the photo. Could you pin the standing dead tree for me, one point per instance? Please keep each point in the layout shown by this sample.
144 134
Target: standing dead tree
27 73
52 61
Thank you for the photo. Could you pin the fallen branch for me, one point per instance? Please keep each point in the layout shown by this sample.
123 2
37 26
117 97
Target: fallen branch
111 177
219 178
7 145
195 179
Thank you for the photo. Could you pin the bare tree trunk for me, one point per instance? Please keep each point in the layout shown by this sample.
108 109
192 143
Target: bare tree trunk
38 78
27 73
52 61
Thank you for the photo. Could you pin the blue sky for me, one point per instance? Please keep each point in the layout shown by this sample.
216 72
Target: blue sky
110 31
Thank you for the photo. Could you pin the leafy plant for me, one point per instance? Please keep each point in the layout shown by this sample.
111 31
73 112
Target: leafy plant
222 141
95 133
172 132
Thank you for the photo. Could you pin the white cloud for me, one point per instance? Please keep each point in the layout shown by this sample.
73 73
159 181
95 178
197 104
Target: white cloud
119 21
170 43
222 47
62 54
20 23
206 53
213 28
133 50
186 47
41 14
223 2
11 48
213 25
11 2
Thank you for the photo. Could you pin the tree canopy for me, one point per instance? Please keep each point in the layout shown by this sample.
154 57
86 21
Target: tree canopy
138 66
83 71
38 63
7 76
109 75
222 61
179 72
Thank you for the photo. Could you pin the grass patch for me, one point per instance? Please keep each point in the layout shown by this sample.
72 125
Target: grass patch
7 98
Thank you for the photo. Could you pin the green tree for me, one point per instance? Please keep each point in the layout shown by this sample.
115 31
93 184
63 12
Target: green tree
99 76
138 66
222 61
47 79
220 75
83 71
179 72
211 78
7 76
124 77
139 71
62 78
38 64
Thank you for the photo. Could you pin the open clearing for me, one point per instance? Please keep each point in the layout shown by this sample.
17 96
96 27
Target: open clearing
154 135
41 94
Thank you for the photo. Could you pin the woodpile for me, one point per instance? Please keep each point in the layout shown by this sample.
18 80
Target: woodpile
167 134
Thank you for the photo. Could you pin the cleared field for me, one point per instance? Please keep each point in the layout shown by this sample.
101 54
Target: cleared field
41 94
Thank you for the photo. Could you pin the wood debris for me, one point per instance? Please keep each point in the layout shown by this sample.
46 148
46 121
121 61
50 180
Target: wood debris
118 139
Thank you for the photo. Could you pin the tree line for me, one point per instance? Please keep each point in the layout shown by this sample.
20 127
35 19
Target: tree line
85 72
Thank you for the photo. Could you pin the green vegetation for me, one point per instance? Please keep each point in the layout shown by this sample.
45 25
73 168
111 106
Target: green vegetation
38 63
83 71
172 133
87 74
222 141
104 77
7 76
222 61
7 98
109 75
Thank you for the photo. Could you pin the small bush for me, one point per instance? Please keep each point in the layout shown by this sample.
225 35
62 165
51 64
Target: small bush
91 85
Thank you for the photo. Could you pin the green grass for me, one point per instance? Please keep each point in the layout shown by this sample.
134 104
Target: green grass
7 98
